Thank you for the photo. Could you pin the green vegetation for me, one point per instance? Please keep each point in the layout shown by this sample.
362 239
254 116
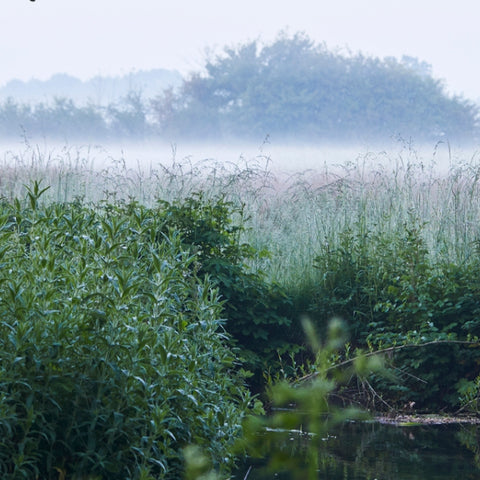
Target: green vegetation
113 352
255 309
136 305
65 120
291 89
313 412
297 90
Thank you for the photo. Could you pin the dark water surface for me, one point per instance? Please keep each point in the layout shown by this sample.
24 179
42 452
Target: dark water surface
368 451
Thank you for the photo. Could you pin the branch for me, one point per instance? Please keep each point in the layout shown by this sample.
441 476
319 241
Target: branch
387 350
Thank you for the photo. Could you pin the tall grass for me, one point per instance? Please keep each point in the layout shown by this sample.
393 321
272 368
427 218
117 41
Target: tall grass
295 216
390 241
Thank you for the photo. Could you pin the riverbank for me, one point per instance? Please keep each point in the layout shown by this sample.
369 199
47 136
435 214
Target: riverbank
426 419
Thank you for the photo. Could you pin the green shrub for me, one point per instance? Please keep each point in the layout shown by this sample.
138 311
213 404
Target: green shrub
255 309
113 354
392 291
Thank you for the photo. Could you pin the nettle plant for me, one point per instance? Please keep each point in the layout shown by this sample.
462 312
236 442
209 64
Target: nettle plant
113 355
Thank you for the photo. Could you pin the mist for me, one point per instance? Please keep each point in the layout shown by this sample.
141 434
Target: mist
288 106
278 158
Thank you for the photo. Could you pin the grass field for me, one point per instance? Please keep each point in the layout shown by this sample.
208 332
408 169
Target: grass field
296 214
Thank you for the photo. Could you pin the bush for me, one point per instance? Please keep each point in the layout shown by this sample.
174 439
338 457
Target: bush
113 355
393 292
256 310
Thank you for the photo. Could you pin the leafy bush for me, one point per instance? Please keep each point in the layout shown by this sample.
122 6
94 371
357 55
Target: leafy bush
256 310
393 293
113 354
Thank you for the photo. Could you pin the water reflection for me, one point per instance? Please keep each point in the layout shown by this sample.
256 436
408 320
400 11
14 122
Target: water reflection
368 451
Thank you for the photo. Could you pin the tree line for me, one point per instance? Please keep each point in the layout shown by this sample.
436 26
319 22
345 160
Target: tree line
292 88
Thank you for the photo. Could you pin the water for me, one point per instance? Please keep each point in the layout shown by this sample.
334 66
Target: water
368 451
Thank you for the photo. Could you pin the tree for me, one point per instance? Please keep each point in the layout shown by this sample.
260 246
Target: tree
128 118
297 89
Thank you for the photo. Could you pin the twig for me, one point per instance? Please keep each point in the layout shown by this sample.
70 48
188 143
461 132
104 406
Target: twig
375 394
387 350
467 405
411 375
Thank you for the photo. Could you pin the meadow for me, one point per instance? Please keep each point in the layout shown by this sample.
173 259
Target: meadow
293 211
224 257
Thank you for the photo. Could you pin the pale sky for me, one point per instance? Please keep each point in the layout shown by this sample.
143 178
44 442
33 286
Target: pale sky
85 38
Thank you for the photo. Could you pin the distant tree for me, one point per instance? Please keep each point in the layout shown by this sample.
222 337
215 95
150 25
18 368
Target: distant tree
65 120
61 119
292 88
13 117
128 118
298 89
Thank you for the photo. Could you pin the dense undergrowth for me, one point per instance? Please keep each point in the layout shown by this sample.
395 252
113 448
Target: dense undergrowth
132 320
113 350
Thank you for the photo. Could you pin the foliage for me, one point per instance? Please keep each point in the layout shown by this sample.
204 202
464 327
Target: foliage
255 309
304 407
61 119
393 294
388 243
296 89
113 354
128 119
291 89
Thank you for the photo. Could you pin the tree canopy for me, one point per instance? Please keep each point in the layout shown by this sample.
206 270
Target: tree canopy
298 89
292 89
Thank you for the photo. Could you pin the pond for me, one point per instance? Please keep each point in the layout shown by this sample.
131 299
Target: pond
368 451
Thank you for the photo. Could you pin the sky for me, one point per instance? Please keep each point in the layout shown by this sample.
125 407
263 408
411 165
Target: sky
85 38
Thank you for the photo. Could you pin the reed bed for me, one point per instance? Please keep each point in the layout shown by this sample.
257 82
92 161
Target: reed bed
365 197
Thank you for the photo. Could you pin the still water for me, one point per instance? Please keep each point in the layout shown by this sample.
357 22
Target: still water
368 451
